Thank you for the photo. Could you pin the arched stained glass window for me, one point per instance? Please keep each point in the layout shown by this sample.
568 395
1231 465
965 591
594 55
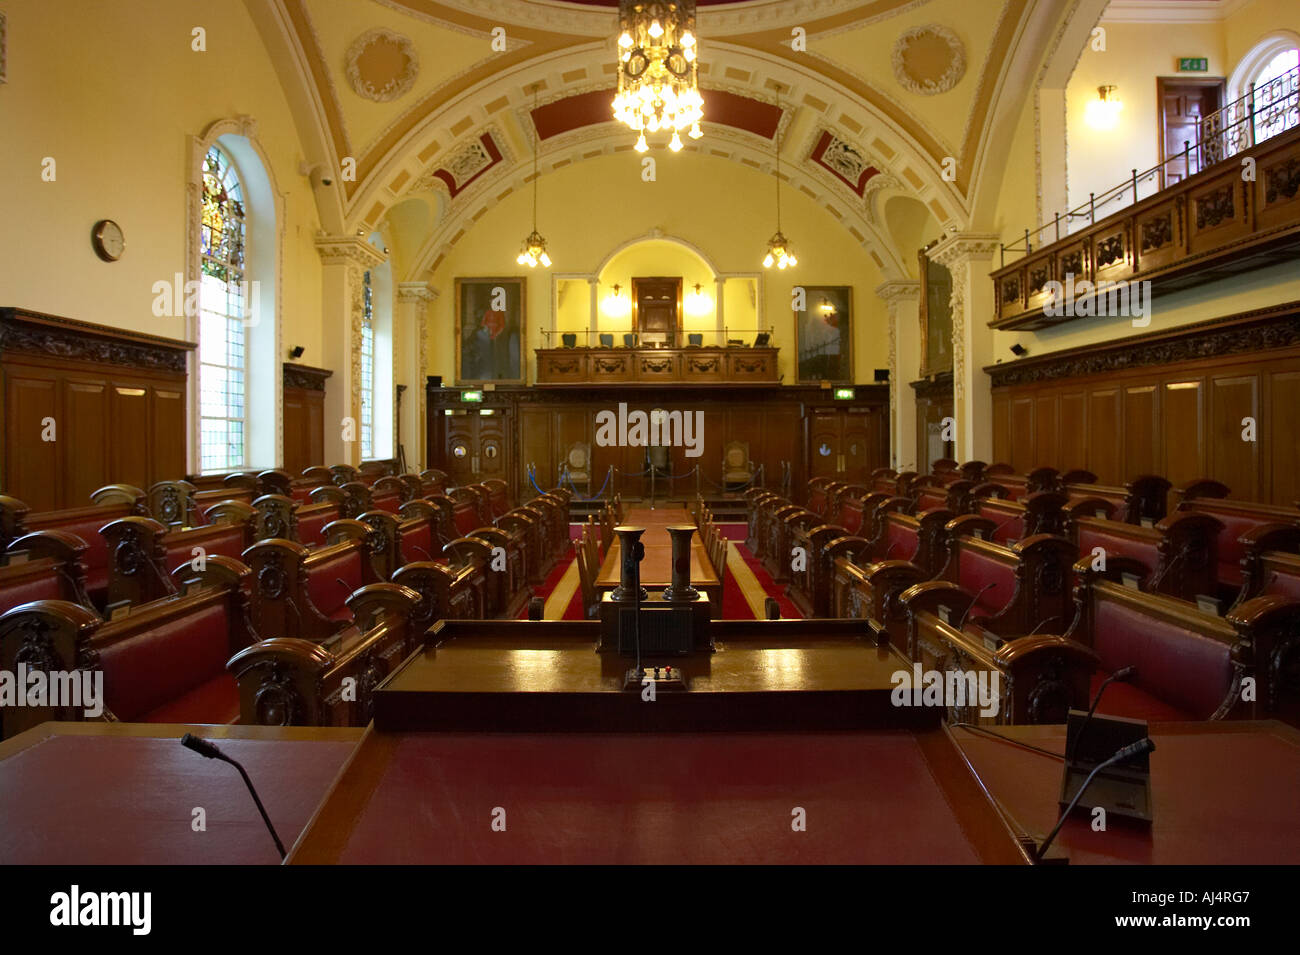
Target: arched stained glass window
223 310
368 370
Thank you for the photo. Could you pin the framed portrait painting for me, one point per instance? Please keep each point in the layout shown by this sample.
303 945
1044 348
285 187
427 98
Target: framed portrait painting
824 334
490 331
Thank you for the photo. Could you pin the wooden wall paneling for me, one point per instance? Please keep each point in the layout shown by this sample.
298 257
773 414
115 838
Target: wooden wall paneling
1001 427
538 447
717 432
297 439
1023 443
128 444
1280 431
32 471
84 440
783 440
1104 451
1047 430
1234 461
1072 429
1140 424
1183 430
167 420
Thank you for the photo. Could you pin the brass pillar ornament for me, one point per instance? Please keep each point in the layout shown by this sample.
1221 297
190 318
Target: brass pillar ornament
680 589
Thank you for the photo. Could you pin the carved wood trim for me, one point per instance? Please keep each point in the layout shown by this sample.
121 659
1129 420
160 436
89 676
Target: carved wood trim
305 377
1257 330
51 336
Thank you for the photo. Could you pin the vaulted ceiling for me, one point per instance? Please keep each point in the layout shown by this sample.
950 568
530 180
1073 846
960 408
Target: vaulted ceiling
433 100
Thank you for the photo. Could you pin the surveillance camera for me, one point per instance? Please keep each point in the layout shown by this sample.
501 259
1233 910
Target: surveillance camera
326 181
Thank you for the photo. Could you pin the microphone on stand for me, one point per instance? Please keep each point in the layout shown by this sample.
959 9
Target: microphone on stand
974 600
1123 674
207 749
1139 748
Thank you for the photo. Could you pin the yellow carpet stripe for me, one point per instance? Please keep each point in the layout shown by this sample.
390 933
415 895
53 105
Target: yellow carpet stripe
750 589
558 601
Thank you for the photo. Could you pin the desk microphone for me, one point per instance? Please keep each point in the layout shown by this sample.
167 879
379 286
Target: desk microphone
1041 625
974 600
207 749
1122 675
1143 745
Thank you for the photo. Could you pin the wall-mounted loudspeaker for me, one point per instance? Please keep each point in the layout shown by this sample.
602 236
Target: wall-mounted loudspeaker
882 374
1019 350
296 351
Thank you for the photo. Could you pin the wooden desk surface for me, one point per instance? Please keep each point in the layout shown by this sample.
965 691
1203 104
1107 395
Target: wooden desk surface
1223 793
881 797
123 793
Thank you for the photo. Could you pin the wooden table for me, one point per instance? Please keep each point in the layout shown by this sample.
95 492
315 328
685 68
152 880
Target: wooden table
657 567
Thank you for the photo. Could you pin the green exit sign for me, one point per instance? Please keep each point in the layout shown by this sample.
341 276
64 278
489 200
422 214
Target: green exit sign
1193 64
845 394
471 396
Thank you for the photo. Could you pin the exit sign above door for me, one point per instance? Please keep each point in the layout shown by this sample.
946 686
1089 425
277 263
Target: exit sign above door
1193 64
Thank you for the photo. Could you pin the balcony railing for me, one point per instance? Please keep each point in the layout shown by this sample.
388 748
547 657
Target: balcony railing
1263 112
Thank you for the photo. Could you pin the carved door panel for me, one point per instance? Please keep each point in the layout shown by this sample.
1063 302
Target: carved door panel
1183 104
656 314
825 445
476 445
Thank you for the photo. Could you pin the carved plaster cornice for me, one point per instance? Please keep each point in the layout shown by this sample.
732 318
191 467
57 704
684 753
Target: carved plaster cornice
345 249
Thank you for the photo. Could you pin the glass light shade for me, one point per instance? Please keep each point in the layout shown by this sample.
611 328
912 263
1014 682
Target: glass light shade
658 82
1103 113
778 253
534 252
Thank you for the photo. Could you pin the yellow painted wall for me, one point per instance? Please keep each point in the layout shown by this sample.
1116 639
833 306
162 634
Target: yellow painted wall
588 210
111 92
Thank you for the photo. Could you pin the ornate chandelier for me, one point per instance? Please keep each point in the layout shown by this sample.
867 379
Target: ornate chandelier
779 252
534 251
658 82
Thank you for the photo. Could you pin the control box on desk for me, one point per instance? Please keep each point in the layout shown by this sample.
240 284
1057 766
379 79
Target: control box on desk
667 629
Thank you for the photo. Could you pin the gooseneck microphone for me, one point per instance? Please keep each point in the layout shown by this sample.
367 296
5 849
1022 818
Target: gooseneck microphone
207 749
971 606
1143 745
1122 675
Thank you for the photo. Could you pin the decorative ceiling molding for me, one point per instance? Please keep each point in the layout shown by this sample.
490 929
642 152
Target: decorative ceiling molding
844 160
923 40
467 164
384 87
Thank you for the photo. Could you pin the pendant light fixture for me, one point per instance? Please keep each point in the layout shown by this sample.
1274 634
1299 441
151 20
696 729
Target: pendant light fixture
534 250
778 247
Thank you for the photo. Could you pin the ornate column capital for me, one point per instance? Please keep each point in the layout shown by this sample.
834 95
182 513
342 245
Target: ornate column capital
348 249
899 290
965 246
416 293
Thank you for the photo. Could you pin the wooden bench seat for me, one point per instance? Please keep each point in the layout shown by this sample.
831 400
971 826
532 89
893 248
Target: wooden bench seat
1238 519
1177 557
44 565
162 663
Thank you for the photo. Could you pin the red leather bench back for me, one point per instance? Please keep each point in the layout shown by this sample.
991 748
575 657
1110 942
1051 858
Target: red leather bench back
311 526
930 498
465 517
163 663
42 586
1185 669
850 517
1230 551
1091 536
228 543
976 570
901 541
390 501
1006 527
417 543
96 556
329 596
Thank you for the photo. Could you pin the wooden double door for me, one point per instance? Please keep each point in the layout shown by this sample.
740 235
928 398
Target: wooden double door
847 444
475 444
657 310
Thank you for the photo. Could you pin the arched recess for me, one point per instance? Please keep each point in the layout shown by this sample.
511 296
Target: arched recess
1267 47
264 392
910 226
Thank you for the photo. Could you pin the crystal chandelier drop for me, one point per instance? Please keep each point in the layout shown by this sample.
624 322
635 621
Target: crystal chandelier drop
778 247
658 81
534 251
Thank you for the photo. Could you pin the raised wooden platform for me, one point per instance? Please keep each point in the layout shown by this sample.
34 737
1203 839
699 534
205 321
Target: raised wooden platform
520 676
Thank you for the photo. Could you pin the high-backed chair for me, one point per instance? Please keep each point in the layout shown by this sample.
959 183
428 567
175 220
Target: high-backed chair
737 469
578 462
694 339
606 340
569 340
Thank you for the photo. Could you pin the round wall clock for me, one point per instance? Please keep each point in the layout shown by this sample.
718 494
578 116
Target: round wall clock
107 238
